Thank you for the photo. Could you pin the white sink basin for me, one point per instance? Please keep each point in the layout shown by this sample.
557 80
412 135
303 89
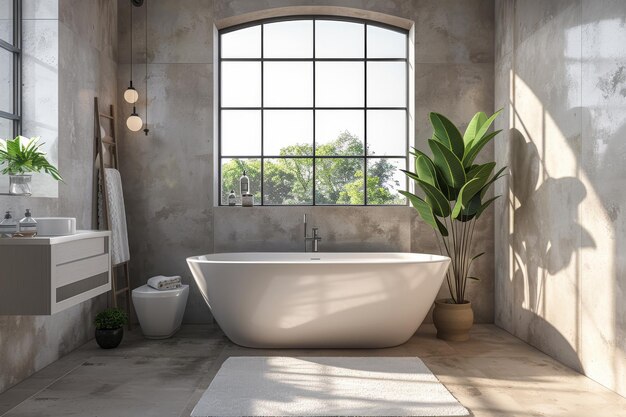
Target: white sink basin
56 226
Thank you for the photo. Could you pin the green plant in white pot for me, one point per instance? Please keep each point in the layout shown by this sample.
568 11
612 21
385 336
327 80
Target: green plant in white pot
19 158
454 196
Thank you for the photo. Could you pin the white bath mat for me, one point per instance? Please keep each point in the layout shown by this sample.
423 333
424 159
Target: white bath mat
331 386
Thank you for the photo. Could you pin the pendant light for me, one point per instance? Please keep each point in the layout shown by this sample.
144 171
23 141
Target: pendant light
131 95
134 122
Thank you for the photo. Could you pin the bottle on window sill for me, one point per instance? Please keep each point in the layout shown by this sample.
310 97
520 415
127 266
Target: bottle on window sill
244 184
232 198
247 200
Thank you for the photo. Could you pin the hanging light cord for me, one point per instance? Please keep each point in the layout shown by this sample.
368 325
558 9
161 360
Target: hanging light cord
146 130
131 44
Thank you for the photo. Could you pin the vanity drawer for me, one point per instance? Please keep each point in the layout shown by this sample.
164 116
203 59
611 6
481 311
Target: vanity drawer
75 271
79 249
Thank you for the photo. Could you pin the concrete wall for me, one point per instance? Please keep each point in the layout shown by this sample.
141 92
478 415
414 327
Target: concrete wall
72 46
560 74
169 175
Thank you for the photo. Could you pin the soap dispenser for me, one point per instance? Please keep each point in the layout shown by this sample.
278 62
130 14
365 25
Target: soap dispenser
244 184
27 226
8 226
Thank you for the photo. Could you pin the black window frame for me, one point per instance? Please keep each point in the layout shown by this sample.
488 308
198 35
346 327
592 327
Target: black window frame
16 50
365 157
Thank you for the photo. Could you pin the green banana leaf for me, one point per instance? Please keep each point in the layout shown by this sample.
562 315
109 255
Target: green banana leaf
416 152
449 192
486 124
466 194
496 177
475 148
482 171
445 132
435 198
486 204
410 174
425 212
470 211
425 169
473 127
450 166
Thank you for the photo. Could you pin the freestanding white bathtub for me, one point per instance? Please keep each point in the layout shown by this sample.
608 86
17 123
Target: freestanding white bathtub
319 300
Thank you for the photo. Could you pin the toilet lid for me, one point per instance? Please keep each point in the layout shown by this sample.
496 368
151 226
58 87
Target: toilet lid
147 291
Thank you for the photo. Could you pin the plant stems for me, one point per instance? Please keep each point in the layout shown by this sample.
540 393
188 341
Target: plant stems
441 251
461 260
473 227
452 254
455 269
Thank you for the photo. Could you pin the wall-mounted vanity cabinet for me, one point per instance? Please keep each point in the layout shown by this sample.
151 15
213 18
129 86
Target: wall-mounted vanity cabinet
45 275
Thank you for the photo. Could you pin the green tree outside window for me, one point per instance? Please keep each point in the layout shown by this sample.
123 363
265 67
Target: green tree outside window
289 181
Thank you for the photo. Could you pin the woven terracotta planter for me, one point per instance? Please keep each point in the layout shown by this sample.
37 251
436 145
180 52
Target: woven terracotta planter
453 321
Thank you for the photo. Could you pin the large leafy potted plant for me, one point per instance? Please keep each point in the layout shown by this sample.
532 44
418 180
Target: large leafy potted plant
454 189
110 327
20 157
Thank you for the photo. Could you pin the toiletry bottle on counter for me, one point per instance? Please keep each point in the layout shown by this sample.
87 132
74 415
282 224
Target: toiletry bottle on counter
232 198
244 184
27 226
8 226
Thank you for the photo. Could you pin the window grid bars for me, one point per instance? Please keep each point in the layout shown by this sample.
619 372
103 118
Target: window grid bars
314 191
16 53
313 157
262 119
313 108
365 133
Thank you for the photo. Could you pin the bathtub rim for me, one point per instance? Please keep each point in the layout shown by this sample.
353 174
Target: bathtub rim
336 261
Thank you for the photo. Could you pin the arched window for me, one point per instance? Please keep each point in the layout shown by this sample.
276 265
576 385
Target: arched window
314 109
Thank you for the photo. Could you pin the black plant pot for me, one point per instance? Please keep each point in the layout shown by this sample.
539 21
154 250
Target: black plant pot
109 339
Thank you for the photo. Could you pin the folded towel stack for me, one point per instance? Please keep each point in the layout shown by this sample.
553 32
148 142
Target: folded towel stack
161 282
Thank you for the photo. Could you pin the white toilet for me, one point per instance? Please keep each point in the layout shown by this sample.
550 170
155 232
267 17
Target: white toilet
160 312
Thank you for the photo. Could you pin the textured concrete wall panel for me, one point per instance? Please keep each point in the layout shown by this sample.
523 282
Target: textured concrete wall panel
560 232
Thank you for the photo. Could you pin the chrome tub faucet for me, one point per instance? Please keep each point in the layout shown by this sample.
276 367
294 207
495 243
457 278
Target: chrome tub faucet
314 239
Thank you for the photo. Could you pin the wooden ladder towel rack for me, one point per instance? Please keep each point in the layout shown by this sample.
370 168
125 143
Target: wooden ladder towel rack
109 144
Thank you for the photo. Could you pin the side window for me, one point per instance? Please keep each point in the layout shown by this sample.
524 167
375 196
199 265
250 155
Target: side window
10 68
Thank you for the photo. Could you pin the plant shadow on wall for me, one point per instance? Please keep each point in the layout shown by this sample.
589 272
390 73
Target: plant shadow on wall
543 249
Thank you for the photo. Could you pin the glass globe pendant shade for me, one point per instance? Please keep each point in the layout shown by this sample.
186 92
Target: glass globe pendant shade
131 95
134 122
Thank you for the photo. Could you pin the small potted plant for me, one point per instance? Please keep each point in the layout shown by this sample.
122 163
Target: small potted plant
110 327
454 189
20 157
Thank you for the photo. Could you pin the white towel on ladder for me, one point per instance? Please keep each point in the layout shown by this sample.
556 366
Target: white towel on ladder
117 216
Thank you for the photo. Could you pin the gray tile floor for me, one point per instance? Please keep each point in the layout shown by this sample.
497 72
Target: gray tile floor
494 374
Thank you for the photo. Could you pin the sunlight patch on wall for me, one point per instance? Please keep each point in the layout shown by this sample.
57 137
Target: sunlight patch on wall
556 187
